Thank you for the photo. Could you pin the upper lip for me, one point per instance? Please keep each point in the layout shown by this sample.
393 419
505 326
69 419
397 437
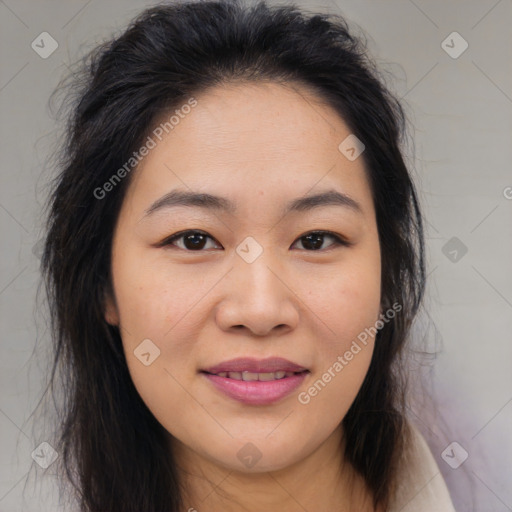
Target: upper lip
247 364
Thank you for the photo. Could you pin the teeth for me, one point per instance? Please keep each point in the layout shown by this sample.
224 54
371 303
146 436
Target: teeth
266 376
250 376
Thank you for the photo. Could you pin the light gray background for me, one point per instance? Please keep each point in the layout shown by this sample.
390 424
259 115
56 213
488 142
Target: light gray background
461 110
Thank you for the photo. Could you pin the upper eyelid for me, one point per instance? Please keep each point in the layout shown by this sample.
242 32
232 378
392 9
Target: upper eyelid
181 234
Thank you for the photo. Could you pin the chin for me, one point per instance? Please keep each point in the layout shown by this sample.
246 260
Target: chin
260 455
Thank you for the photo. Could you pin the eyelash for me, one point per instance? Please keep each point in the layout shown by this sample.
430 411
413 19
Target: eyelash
339 240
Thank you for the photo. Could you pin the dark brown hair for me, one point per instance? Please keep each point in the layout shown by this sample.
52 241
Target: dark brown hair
113 449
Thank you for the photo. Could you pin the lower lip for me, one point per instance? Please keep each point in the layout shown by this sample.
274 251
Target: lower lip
257 392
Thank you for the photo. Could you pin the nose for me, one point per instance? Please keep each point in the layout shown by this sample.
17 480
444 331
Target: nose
258 297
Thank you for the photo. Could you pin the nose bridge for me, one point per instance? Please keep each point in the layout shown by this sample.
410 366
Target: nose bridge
255 273
256 296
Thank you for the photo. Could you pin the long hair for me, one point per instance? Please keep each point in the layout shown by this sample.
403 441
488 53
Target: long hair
114 451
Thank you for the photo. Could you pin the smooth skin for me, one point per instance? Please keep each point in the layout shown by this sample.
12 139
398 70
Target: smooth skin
259 145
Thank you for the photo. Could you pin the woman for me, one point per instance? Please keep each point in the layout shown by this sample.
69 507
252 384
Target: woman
234 259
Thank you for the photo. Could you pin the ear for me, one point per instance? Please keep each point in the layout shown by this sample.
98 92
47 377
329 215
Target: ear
111 311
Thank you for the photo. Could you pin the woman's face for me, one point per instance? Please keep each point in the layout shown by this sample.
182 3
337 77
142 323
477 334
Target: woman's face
254 286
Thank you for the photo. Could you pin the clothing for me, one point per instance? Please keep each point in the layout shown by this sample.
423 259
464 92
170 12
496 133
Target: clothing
421 486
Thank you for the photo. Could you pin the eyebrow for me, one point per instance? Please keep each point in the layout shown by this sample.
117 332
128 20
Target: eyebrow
212 202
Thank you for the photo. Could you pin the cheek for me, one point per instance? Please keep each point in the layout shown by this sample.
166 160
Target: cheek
153 298
151 309
345 355
154 306
347 302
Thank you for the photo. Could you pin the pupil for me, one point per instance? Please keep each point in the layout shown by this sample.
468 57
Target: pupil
314 241
197 241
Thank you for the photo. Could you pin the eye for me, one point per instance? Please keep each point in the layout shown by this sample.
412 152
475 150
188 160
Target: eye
195 240
191 240
314 240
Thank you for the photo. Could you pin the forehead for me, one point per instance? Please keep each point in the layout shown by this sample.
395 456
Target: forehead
265 120
253 139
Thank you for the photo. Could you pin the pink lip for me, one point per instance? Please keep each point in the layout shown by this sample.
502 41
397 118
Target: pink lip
248 364
257 392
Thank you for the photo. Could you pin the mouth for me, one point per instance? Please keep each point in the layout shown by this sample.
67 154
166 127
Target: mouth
248 376
256 382
249 366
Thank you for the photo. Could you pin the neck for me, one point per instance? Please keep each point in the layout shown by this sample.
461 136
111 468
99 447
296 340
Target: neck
321 481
